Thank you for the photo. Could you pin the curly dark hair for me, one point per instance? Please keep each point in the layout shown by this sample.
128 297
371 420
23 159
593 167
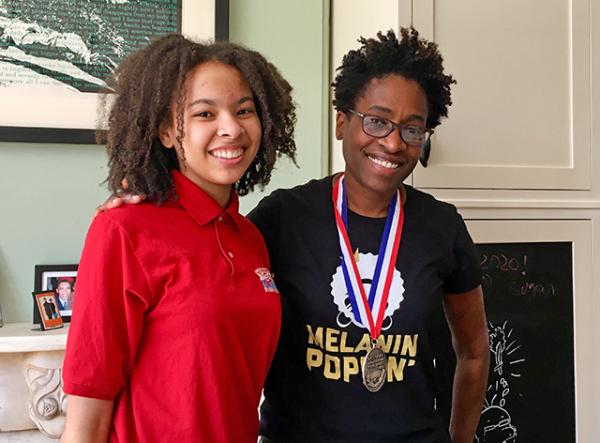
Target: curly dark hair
411 57
147 85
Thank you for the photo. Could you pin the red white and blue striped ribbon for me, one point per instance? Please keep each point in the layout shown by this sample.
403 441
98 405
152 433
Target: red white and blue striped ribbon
369 312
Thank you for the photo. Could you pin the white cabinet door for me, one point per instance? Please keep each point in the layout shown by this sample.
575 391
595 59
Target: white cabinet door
521 113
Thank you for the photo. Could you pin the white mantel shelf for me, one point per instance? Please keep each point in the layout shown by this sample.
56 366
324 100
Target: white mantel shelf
19 337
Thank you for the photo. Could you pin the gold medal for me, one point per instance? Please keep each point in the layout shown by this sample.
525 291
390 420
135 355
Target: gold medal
374 369
369 311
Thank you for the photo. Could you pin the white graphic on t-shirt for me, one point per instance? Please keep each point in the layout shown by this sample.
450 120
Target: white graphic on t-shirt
366 265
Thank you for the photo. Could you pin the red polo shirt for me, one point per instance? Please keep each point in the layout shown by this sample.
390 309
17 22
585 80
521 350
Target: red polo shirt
176 318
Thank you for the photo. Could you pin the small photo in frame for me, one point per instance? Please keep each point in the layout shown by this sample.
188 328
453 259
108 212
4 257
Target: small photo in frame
47 307
60 279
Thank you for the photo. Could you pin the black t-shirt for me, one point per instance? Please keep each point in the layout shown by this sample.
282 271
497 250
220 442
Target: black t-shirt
314 391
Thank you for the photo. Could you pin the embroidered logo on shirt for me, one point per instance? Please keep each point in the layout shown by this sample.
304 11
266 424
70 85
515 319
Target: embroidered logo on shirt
266 278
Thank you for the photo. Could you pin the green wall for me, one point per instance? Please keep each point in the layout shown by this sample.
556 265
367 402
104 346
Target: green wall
49 191
294 35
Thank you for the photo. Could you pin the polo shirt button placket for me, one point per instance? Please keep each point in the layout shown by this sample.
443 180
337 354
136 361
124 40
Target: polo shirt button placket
228 254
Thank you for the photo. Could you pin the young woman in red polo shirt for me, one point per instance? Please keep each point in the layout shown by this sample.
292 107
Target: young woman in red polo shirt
177 317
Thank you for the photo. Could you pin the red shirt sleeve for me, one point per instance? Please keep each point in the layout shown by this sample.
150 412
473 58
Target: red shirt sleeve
112 295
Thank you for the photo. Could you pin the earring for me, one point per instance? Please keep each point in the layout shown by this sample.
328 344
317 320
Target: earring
425 152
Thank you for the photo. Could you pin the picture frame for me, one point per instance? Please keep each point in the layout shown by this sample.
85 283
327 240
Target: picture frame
60 279
47 306
50 81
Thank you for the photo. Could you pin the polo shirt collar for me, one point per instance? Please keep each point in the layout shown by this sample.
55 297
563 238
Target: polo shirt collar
201 206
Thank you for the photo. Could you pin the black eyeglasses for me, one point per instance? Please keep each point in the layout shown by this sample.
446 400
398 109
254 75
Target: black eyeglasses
380 127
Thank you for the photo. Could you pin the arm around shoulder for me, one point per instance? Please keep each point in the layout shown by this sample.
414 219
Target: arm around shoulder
88 420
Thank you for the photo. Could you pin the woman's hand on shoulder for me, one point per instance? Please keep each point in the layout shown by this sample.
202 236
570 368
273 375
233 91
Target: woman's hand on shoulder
116 200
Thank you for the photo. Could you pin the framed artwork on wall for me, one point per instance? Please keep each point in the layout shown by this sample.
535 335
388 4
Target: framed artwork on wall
56 54
60 280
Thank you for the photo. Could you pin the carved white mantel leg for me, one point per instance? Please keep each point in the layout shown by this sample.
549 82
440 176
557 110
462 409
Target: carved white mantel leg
47 403
13 394
31 396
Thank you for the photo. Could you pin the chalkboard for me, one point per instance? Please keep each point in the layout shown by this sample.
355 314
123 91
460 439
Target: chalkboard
528 289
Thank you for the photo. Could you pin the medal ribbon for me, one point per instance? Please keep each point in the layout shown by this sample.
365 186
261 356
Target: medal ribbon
369 311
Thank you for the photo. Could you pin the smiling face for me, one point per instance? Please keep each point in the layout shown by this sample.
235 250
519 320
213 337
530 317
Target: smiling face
64 290
378 166
222 131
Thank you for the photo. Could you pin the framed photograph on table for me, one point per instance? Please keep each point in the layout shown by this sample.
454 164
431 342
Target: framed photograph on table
60 279
46 304
56 54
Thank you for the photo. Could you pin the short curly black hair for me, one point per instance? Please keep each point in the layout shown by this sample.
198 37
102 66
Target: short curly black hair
411 57
149 82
